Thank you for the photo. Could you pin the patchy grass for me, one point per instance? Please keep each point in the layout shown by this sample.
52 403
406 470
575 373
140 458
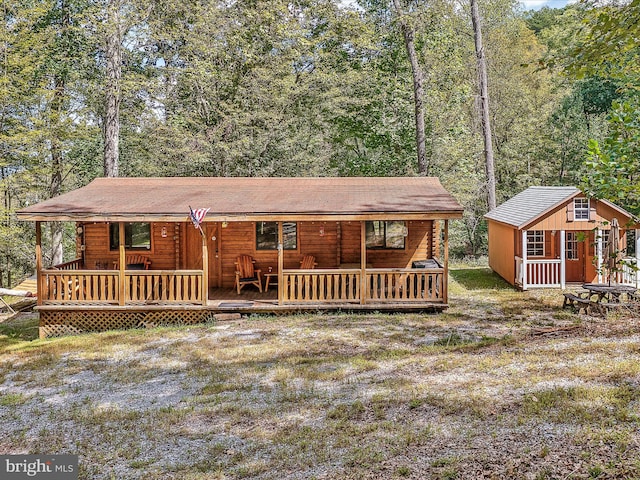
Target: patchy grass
468 393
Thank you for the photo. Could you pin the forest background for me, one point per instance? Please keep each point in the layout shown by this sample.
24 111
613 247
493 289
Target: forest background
312 88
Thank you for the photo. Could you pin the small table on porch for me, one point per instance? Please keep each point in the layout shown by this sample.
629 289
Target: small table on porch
271 277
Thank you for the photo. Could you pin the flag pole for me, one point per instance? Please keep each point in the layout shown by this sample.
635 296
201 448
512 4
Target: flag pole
195 221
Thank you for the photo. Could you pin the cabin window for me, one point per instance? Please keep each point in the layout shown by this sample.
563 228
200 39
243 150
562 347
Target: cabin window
581 208
535 243
572 246
389 234
267 235
137 236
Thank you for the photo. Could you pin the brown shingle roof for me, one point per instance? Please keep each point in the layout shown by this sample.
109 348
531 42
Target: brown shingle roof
233 197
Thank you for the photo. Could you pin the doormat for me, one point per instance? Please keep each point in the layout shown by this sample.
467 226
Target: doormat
235 304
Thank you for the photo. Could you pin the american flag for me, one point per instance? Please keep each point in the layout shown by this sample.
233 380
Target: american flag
198 215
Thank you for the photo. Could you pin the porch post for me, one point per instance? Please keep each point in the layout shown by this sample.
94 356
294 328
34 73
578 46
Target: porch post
281 285
445 280
363 261
121 263
524 260
563 265
205 269
599 253
40 289
637 265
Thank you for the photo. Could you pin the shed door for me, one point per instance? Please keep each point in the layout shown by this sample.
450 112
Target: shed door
575 256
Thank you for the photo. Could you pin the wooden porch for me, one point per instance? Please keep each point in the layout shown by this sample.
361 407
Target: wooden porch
80 301
76 289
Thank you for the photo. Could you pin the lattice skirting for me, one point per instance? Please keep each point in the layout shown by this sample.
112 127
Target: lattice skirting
58 323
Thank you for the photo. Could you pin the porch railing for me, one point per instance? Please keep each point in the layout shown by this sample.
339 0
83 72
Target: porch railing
384 285
629 272
166 286
405 285
75 264
326 285
103 286
544 273
83 286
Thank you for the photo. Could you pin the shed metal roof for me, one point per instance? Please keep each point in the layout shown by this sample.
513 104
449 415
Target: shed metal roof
148 199
531 204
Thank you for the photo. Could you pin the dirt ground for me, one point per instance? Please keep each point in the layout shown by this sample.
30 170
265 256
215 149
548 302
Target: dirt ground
503 385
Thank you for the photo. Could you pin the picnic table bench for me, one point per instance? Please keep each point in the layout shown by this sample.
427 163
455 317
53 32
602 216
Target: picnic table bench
579 301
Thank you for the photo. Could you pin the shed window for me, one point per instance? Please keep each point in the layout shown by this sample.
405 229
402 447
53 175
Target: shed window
535 243
581 208
267 235
137 236
389 234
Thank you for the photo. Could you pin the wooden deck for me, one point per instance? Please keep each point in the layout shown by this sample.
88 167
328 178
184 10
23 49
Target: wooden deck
75 301
227 300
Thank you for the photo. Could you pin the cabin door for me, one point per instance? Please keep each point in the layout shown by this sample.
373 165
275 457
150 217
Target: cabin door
193 244
574 256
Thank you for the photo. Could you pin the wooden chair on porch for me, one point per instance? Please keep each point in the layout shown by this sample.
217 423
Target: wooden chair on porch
134 262
246 273
308 262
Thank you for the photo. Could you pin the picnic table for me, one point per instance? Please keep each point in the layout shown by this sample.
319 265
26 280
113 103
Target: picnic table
610 293
601 297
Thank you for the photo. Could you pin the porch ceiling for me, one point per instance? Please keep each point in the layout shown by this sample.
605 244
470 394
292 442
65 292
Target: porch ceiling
234 198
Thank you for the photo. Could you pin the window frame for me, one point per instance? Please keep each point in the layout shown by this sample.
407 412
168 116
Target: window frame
114 237
385 237
581 213
286 235
534 243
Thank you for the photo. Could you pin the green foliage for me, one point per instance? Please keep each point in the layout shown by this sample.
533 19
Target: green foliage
610 47
542 19
275 88
613 170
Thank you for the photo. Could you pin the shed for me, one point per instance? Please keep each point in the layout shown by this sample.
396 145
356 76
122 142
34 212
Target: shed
550 236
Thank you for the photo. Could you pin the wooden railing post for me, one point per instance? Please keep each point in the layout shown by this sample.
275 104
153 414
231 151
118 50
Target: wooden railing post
121 264
281 285
363 262
40 287
445 279
205 270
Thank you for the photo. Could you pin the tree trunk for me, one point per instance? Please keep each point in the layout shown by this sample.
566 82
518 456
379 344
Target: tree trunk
56 167
418 89
113 53
57 106
483 82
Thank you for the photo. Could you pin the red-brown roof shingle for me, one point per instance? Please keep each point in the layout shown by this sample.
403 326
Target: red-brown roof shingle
234 197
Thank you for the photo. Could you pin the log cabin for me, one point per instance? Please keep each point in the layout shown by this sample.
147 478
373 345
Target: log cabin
546 237
370 244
